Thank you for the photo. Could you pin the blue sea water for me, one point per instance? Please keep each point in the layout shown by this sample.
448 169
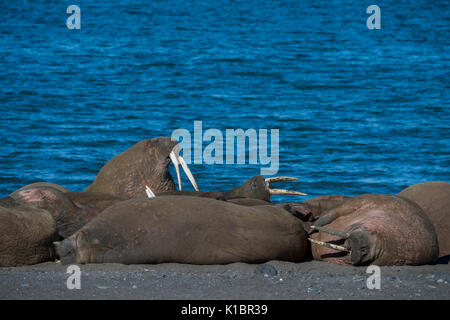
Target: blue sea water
358 110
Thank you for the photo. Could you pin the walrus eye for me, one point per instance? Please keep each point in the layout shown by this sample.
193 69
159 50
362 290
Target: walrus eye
177 160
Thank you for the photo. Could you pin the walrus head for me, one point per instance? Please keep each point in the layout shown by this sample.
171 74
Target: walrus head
144 166
259 187
66 252
75 249
360 247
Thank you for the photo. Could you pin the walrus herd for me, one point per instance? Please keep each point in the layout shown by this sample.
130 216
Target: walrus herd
133 213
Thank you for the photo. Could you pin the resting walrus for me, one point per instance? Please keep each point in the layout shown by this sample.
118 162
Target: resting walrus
434 199
186 230
26 234
144 164
375 228
71 210
257 188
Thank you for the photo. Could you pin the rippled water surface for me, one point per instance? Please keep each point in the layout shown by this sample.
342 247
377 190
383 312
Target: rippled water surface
358 110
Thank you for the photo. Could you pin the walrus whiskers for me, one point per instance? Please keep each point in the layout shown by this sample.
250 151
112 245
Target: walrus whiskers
329 245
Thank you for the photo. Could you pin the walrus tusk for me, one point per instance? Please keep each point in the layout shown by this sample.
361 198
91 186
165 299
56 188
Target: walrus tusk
149 192
329 245
281 191
286 192
177 160
278 179
176 164
188 172
338 233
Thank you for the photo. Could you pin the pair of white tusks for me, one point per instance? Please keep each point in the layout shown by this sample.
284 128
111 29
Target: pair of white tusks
341 234
329 245
283 191
177 160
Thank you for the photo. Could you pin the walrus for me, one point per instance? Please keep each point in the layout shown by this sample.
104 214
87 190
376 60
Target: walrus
186 229
434 198
71 210
26 234
375 229
144 164
257 187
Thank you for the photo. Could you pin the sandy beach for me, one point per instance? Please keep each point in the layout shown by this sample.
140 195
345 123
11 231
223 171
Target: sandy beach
272 280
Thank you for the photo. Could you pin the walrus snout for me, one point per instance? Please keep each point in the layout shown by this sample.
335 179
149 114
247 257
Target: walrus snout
359 244
66 251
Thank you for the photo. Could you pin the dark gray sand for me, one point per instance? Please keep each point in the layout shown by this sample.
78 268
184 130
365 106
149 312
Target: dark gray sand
272 280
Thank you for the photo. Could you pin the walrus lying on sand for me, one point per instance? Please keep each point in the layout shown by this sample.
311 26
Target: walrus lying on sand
434 199
374 229
144 164
186 229
26 234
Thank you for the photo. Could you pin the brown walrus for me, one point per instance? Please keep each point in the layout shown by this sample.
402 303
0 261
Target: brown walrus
257 188
434 198
71 210
186 229
144 164
26 234
375 229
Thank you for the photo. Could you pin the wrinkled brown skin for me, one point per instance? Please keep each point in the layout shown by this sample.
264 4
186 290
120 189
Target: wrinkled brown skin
434 198
312 209
186 229
319 205
384 230
26 234
144 164
71 210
